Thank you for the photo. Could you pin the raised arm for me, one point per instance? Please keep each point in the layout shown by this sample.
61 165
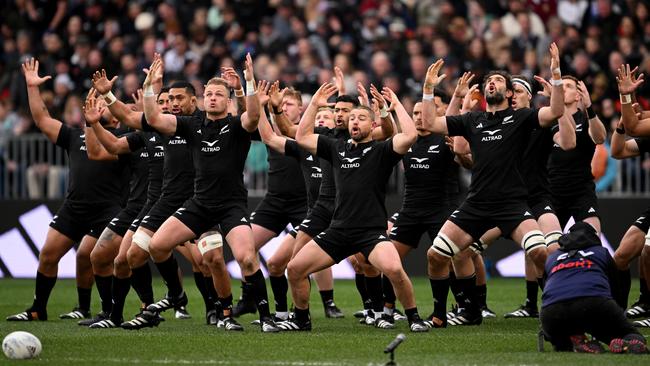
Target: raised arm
457 99
627 84
234 82
620 148
339 80
386 129
267 133
48 125
405 139
305 135
251 117
597 130
430 119
119 110
548 115
93 113
276 96
163 123
566 135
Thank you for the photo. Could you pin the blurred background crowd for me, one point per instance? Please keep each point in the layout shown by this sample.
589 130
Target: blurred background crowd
299 42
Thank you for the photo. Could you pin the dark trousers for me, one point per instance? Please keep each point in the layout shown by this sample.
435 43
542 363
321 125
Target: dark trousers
598 316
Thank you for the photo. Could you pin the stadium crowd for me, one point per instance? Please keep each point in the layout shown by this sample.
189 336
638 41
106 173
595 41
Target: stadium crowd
298 42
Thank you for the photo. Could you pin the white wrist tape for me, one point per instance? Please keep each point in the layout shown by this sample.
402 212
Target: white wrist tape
626 99
109 98
250 88
427 96
556 82
148 91
383 112
240 92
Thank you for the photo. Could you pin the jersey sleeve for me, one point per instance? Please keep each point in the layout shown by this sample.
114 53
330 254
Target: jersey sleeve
643 144
326 147
65 137
184 126
291 148
458 125
389 155
135 140
531 118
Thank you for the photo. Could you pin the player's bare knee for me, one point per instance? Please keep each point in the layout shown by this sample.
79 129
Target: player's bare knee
294 271
275 267
622 261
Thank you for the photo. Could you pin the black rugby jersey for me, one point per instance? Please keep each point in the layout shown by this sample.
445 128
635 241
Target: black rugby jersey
430 175
570 171
361 172
138 160
219 150
535 159
327 186
178 170
311 170
497 141
643 144
284 177
151 144
92 182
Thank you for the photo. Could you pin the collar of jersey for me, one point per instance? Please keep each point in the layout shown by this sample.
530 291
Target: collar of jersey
207 122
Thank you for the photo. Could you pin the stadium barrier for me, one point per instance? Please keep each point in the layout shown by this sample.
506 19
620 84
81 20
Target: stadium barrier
24 224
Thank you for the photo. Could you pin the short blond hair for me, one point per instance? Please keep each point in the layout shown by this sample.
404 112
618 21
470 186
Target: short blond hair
218 81
294 94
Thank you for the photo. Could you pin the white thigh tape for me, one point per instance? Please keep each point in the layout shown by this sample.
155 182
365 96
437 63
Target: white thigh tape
210 242
533 240
444 246
142 239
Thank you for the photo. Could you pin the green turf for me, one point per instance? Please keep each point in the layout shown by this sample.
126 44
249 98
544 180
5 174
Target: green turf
332 342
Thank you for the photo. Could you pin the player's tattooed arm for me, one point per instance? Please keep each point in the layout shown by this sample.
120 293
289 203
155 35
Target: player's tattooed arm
251 117
627 85
48 125
305 135
430 119
405 139
93 110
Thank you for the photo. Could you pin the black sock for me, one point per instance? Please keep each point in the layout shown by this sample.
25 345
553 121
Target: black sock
121 287
541 283
360 281
481 296
169 271
44 286
327 296
212 292
645 293
246 291
225 305
302 315
104 287
468 291
412 314
389 291
373 285
201 285
258 293
532 290
83 295
280 287
455 289
142 283
623 292
439 290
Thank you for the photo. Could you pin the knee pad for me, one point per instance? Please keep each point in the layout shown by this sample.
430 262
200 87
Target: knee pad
444 246
533 240
142 239
552 238
210 242
478 246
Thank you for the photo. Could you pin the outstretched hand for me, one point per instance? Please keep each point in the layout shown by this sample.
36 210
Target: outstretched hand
30 69
92 111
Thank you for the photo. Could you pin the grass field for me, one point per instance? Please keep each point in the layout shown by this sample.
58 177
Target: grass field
332 342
